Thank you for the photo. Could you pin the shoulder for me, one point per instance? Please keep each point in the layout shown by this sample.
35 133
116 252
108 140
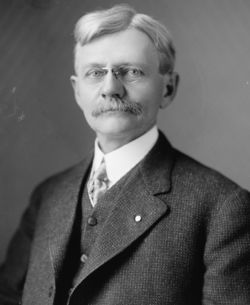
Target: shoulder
61 180
205 184
200 174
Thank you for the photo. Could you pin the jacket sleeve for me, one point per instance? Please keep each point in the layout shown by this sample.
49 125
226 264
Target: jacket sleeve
227 253
13 270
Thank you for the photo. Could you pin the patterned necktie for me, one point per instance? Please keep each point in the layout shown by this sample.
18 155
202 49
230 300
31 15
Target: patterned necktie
99 183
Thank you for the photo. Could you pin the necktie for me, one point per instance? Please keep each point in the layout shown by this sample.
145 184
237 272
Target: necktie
99 183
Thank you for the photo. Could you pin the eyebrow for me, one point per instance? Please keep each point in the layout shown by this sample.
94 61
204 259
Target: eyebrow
93 65
125 64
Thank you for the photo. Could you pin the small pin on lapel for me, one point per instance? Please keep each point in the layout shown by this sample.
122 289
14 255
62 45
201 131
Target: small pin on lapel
137 218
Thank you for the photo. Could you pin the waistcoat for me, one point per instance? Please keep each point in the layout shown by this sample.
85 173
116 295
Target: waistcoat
88 224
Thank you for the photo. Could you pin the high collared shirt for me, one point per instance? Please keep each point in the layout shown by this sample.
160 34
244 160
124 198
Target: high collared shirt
120 161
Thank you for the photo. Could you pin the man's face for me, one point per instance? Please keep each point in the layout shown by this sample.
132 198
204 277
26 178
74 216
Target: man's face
118 85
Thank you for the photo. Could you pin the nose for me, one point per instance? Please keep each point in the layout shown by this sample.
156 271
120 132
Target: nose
112 86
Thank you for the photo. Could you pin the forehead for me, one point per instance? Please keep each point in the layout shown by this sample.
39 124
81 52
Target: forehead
128 46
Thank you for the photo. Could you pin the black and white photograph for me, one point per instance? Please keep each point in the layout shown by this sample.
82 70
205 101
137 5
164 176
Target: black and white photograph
124 152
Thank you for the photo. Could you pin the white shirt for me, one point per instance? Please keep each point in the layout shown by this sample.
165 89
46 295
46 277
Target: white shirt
120 161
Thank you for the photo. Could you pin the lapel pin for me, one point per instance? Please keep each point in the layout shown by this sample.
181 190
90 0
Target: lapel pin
138 218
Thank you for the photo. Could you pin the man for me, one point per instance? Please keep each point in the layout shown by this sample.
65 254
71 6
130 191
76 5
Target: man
137 222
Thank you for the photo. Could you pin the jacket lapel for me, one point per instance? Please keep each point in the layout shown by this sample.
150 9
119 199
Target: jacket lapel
63 212
137 208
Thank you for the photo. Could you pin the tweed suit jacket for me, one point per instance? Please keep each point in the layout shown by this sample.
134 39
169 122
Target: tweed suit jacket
191 245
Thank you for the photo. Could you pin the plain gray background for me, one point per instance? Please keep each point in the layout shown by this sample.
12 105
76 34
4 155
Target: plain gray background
42 130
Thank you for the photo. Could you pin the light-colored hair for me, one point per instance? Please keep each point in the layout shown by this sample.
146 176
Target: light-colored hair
121 17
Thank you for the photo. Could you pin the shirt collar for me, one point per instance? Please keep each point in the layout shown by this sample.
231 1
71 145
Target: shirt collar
122 160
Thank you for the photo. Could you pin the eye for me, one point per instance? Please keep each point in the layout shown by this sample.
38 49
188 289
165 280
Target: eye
95 73
131 74
134 72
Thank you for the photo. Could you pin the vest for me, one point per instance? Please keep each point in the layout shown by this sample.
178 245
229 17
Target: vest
88 223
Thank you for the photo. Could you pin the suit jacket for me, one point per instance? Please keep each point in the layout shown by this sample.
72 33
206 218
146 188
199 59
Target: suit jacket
191 245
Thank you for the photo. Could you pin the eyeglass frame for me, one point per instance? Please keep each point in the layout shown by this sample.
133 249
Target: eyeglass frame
117 72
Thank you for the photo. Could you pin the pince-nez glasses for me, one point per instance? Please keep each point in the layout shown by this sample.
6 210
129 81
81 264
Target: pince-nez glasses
124 74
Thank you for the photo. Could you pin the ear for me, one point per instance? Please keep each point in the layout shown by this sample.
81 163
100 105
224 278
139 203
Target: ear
74 83
170 89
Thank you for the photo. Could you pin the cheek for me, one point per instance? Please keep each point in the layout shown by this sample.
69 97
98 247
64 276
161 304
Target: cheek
149 88
87 98
149 96
86 93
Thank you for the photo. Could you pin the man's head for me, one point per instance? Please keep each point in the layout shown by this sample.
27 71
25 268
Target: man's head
124 64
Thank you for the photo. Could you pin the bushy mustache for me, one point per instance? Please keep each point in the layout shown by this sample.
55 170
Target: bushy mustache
116 104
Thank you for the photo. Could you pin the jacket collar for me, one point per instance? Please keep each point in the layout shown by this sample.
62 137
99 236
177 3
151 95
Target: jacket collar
156 168
63 198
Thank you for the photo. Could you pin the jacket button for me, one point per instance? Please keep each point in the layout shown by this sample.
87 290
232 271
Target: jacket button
83 258
51 289
92 221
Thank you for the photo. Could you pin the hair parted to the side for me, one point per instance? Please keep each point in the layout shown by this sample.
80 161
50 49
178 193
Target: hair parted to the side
121 17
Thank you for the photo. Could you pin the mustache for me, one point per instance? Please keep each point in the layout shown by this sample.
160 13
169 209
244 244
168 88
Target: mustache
116 104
